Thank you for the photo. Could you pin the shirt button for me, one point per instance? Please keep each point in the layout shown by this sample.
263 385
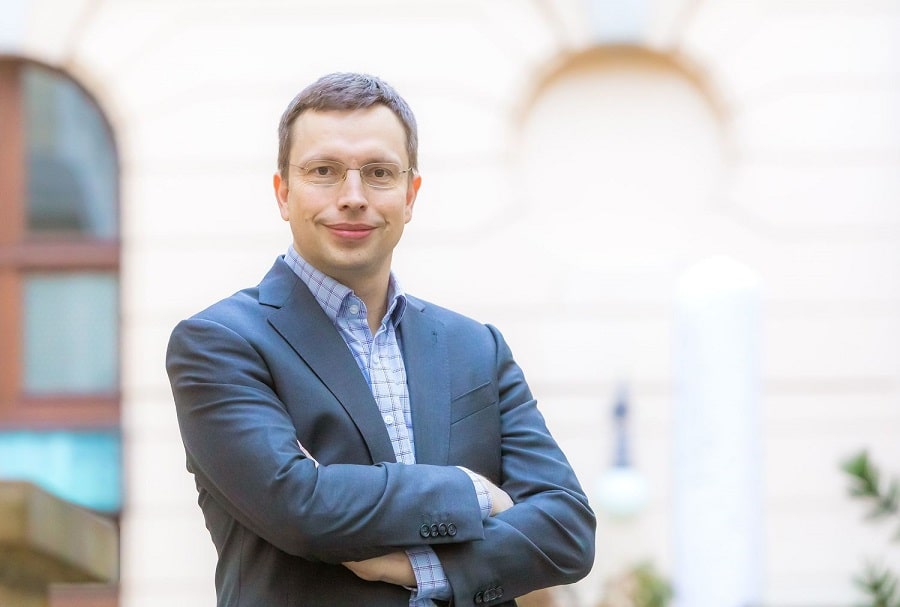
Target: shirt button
389 419
354 309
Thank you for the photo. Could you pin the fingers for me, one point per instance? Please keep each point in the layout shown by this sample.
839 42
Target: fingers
393 568
500 499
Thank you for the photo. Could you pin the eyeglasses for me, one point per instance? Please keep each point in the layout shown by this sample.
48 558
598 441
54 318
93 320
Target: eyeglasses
379 175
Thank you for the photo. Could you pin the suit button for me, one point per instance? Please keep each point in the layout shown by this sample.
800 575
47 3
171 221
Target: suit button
425 531
451 529
442 529
499 591
434 530
490 595
479 598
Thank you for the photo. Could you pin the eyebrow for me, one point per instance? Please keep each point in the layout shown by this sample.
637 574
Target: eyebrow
371 160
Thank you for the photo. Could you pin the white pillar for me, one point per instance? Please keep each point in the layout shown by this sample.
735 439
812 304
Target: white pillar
718 525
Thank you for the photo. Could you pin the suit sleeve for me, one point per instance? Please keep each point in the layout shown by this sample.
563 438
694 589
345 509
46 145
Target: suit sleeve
241 445
547 537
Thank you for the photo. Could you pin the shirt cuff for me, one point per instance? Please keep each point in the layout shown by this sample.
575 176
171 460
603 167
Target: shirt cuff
431 581
484 497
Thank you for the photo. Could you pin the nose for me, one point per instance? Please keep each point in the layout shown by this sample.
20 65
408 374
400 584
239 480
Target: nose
352 191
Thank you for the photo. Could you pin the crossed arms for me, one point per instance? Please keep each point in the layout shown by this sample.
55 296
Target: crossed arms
395 567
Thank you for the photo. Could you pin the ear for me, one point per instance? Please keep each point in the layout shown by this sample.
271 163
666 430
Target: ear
281 194
411 192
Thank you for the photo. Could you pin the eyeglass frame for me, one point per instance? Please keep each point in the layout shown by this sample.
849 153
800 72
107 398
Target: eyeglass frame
347 169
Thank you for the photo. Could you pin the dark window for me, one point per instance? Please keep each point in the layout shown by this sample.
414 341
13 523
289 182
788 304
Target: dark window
59 288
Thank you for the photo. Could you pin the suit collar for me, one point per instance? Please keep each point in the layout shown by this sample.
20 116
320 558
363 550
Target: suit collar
277 285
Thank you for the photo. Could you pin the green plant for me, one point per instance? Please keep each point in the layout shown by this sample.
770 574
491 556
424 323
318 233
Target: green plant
880 584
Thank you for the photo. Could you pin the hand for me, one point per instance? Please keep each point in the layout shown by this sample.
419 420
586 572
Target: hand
500 499
393 568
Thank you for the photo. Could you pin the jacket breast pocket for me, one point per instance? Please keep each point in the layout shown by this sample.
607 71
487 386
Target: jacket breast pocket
475 431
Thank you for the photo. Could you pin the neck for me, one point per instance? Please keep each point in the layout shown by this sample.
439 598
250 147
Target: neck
373 290
376 306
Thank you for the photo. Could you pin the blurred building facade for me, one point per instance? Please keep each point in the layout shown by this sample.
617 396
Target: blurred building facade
577 157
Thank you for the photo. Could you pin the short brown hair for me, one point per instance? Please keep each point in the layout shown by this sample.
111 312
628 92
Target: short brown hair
346 91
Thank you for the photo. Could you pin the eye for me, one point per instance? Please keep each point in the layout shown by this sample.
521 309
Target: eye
380 173
321 169
323 172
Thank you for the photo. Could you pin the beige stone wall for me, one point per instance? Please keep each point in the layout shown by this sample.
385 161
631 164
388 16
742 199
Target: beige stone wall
566 187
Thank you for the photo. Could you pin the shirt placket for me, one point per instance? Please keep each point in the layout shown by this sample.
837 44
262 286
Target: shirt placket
389 389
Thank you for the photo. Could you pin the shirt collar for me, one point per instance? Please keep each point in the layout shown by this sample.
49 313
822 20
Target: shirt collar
332 295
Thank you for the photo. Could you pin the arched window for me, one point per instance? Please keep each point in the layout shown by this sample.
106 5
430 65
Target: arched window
59 287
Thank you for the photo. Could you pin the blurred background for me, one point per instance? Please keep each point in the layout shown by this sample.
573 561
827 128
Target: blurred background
684 215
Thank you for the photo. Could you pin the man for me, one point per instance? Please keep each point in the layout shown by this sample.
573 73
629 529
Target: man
353 445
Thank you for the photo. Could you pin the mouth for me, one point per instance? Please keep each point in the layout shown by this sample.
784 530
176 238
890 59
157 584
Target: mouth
350 231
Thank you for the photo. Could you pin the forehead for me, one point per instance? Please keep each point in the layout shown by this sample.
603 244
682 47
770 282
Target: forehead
375 130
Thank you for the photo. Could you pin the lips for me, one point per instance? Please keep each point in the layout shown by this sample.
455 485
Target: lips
351 231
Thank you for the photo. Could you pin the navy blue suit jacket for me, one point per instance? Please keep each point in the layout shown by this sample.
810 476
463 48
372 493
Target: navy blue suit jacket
265 368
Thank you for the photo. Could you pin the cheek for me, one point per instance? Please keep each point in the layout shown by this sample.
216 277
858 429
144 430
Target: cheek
398 216
300 211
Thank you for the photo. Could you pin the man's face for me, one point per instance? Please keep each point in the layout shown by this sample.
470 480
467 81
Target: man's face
347 230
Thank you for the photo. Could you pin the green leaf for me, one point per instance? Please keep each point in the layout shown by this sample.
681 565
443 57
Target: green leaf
880 585
855 465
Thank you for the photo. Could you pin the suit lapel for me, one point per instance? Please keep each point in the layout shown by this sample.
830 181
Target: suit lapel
428 377
305 326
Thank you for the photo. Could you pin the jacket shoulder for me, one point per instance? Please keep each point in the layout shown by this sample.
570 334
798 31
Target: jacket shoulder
459 327
446 316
